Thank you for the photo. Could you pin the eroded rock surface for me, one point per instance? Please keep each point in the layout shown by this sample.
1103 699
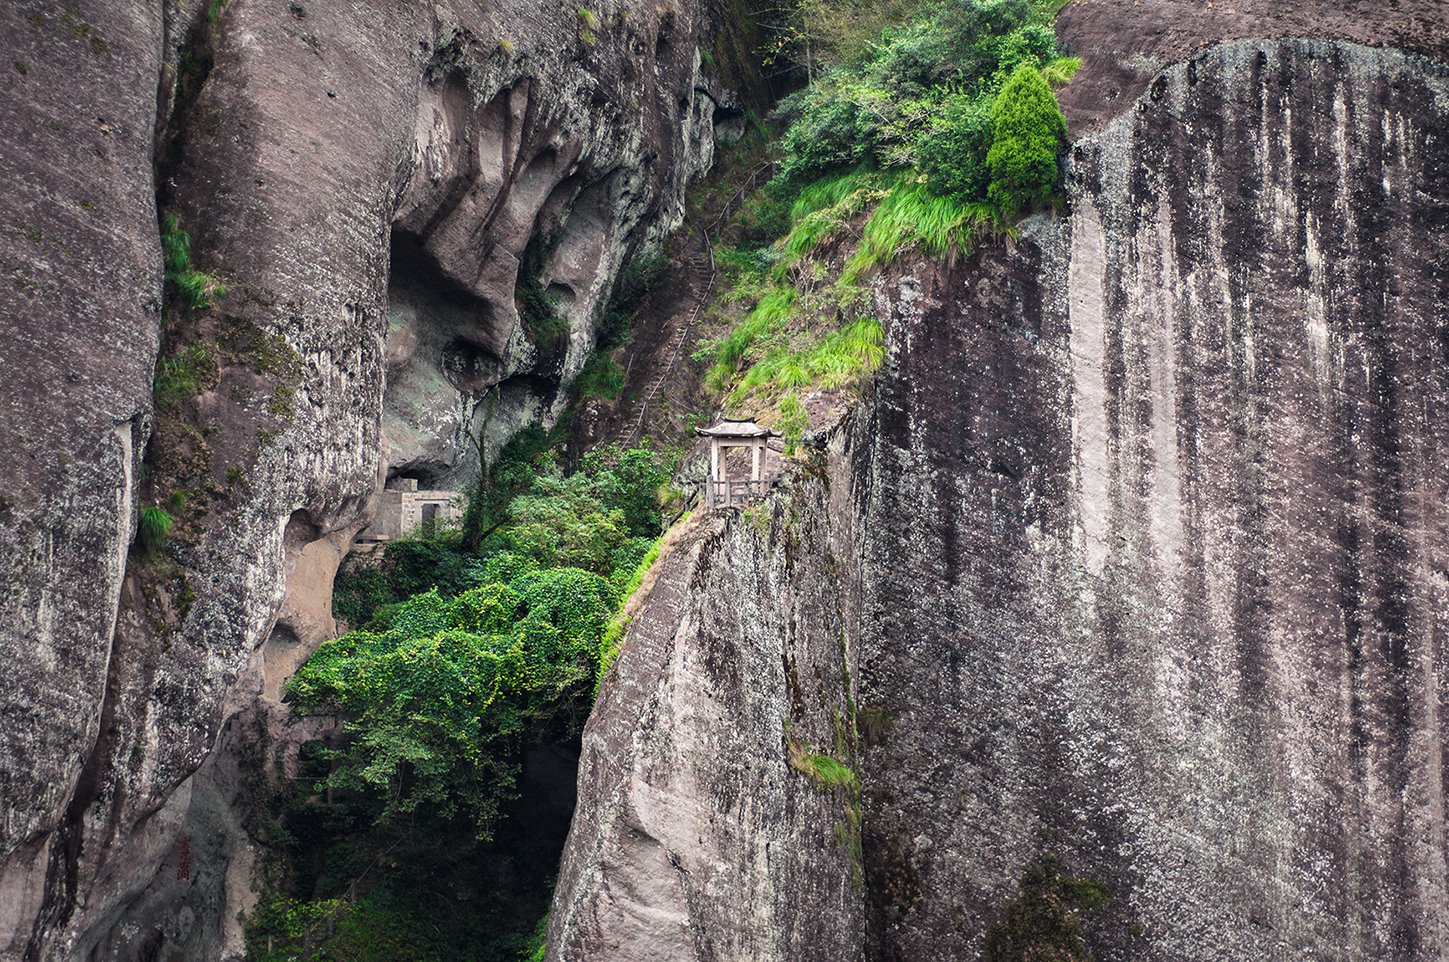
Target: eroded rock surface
696 836
331 161
1153 555
80 309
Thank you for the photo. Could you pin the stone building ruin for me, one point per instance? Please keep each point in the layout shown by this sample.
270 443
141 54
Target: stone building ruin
402 507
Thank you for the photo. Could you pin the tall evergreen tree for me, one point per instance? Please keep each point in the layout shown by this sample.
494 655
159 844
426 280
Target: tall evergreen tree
1029 132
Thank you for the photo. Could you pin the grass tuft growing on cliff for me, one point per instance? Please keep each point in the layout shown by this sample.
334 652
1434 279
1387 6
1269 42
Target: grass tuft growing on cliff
183 375
614 633
153 527
191 288
825 772
588 27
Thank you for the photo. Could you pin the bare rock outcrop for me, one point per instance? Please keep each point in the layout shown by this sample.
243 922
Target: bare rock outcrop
373 183
706 828
1147 512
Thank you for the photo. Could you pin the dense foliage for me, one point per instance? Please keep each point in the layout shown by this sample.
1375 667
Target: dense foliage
458 653
924 124
460 661
435 698
923 96
1027 132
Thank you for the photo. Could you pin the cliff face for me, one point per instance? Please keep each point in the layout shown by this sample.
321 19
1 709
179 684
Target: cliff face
1147 512
696 835
372 185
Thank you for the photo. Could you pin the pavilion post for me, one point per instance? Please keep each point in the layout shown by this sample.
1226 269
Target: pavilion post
724 474
711 494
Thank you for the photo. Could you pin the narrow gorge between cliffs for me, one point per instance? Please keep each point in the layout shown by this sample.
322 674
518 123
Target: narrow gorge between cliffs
705 481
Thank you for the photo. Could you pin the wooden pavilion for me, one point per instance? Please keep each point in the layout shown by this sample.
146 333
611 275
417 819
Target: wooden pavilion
719 490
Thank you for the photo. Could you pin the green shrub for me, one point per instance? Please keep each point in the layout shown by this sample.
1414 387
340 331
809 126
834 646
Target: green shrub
953 152
458 655
939 131
439 695
561 523
1029 133
435 701
765 214
489 609
880 108
373 929
1044 920
428 719
278 927
630 480
1033 44
830 132
152 529
358 590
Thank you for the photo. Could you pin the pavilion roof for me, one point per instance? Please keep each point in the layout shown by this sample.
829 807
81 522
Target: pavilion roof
735 428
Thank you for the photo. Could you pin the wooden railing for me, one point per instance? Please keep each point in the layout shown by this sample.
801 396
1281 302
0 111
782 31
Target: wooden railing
725 493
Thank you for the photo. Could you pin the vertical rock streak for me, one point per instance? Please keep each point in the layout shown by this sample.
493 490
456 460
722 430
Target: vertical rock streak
1243 703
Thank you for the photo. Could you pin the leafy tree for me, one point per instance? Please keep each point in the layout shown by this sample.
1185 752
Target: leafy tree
919 95
630 481
1029 131
953 154
435 703
831 132
561 522
812 36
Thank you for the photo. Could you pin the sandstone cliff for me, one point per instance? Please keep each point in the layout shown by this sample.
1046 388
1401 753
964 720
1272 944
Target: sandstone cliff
1136 555
372 183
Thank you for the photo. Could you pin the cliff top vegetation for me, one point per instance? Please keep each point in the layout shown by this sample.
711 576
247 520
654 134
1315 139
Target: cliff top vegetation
923 125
